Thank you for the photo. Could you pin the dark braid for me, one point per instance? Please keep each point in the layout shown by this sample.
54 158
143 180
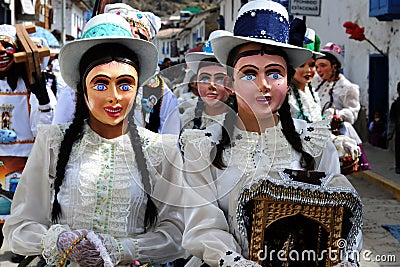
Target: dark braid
312 92
151 213
292 136
227 132
198 113
72 134
320 85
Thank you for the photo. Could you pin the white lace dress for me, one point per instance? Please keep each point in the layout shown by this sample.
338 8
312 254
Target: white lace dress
102 191
212 231
188 115
346 98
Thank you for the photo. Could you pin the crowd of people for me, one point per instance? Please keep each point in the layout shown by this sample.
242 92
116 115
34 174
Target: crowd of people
122 165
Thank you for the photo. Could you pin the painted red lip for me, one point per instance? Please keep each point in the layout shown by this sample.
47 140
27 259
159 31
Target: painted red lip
264 99
213 96
113 111
4 61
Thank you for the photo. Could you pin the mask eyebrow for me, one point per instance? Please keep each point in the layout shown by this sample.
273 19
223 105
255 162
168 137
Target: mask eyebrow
262 51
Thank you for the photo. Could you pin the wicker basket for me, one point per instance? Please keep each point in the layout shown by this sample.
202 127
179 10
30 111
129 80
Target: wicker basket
350 168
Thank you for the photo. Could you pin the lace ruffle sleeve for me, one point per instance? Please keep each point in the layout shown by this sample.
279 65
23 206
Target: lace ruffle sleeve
314 136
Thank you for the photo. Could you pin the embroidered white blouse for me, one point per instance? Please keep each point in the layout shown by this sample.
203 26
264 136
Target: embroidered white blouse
211 227
187 117
102 191
346 97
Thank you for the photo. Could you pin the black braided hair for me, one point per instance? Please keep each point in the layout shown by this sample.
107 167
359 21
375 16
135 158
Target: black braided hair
312 92
99 54
292 136
227 132
151 214
288 128
72 134
198 113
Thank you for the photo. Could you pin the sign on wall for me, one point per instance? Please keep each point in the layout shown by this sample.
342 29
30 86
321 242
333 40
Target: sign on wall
305 7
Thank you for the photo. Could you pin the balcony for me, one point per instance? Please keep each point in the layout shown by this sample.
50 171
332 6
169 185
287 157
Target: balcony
384 10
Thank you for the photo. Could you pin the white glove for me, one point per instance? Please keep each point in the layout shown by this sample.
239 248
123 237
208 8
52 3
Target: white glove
346 145
351 147
328 113
234 259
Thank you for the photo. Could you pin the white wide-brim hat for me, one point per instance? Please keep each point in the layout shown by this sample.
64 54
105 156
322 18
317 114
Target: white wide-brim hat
334 50
263 22
101 29
193 59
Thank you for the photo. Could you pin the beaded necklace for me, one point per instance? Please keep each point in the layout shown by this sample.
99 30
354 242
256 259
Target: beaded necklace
300 103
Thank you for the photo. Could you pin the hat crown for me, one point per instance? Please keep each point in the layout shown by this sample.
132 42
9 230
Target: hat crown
107 25
263 20
311 40
332 47
8 30
214 34
150 22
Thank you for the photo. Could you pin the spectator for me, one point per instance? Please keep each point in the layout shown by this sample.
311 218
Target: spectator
377 130
394 127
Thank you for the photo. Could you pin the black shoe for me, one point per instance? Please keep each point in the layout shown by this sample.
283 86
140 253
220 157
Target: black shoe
16 258
398 170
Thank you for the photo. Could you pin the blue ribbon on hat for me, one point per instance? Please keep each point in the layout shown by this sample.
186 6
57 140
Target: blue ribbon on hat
263 24
106 29
207 47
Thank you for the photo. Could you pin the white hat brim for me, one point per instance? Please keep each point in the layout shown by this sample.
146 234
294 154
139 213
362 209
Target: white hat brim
224 44
317 54
336 55
71 54
193 59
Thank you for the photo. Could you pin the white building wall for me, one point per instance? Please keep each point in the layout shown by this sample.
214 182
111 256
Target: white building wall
229 9
199 29
73 18
384 34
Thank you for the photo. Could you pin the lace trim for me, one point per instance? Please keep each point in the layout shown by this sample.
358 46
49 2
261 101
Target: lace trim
113 247
314 137
284 188
200 139
106 188
152 145
251 151
49 243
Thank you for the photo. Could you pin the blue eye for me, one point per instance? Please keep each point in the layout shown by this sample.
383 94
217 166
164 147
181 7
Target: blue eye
126 87
248 77
275 76
205 79
219 80
100 87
